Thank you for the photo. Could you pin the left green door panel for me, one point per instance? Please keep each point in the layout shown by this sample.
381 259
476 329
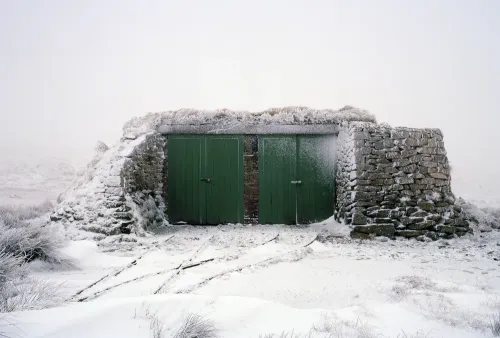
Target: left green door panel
211 180
184 173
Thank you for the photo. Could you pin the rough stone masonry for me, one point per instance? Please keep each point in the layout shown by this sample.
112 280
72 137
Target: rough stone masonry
395 182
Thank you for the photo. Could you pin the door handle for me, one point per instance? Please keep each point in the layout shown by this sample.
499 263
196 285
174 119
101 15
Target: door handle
206 180
296 182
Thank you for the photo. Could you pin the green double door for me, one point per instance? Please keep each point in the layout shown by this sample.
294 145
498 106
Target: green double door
296 178
205 179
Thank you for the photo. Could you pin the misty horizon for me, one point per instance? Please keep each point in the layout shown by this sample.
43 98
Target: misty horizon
74 73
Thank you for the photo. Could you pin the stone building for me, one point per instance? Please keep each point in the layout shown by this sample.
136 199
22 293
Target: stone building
291 165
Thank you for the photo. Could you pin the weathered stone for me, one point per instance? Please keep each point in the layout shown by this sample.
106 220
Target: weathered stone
377 229
407 192
439 175
409 169
413 142
435 217
419 213
359 219
427 224
408 153
360 235
432 235
393 155
460 222
383 213
380 220
429 164
361 135
404 180
440 183
426 205
409 233
447 229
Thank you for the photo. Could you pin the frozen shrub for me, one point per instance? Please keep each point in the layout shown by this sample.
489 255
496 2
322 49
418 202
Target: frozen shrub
24 238
29 294
196 326
495 325
484 217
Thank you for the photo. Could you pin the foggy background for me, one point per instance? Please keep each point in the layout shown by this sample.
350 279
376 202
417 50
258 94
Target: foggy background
72 72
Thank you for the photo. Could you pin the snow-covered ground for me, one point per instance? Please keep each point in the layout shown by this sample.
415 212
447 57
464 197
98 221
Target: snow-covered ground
257 280
254 281
32 181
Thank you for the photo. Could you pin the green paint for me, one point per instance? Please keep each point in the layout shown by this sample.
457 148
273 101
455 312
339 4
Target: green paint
284 161
205 179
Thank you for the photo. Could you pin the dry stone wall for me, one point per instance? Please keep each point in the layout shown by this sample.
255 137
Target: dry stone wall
142 179
396 182
121 191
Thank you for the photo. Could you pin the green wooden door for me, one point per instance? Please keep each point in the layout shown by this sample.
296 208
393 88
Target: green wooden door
205 179
185 168
296 179
224 168
316 171
277 171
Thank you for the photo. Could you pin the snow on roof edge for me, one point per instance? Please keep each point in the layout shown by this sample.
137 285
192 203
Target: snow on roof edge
291 115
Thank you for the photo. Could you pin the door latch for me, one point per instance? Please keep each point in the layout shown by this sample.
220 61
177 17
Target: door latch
206 180
296 182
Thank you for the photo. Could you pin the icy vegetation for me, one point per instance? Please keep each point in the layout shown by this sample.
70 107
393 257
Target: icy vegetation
24 238
486 218
286 115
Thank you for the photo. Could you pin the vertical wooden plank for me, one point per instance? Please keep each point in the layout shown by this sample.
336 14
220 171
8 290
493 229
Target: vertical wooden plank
316 171
184 171
277 170
224 168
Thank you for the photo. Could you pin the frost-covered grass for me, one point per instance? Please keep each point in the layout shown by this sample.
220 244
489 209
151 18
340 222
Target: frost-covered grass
486 217
24 238
495 324
195 325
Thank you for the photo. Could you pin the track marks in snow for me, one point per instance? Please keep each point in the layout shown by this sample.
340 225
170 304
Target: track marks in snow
295 254
184 264
224 251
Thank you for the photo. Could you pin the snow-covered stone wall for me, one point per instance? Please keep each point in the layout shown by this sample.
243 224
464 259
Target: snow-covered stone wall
396 182
120 191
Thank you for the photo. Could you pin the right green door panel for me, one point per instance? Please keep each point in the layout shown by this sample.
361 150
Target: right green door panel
316 170
296 178
277 170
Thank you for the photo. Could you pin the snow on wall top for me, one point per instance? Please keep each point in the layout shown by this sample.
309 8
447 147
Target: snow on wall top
278 116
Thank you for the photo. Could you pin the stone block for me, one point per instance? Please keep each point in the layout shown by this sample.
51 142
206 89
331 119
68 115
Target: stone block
428 164
359 219
393 155
409 169
404 180
419 213
424 225
397 187
426 205
414 142
408 153
377 229
447 229
360 235
438 175
409 233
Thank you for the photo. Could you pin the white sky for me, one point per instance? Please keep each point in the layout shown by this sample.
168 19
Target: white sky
72 72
